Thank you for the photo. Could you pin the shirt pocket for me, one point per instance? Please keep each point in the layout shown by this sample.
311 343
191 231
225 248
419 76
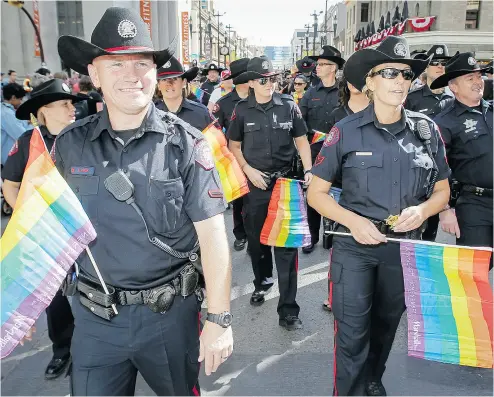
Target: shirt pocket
420 170
475 144
314 110
86 188
361 173
253 136
165 205
283 136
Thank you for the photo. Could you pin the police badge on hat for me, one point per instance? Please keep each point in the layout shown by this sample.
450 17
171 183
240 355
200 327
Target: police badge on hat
472 61
167 65
400 49
265 65
127 29
439 51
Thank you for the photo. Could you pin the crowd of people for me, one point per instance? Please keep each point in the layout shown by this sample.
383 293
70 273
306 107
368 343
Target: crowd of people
399 130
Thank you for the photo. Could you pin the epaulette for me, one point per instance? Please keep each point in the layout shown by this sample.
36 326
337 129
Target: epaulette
79 123
175 120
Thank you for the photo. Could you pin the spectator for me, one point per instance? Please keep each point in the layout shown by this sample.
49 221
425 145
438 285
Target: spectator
12 128
43 71
12 76
94 102
62 76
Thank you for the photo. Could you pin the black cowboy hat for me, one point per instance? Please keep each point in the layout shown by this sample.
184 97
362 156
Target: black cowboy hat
44 94
439 51
393 49
305 65
419 54
238 67
211 66
119 31
331 54
173 68
258 68
459 65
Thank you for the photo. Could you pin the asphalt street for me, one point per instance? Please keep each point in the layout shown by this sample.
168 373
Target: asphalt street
268 360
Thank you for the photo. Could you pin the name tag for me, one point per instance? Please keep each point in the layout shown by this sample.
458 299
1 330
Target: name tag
251 124
78 170
363 153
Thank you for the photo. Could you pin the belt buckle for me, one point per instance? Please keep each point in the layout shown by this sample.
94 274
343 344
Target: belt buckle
479 191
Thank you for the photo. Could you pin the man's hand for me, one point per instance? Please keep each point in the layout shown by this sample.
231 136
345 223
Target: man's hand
410 219
216 346
256 177
29 336
449 223
365 232
308 178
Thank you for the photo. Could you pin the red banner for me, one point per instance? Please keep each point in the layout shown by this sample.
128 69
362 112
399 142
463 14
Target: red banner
421 24
145 8
396 30
185 37
37 51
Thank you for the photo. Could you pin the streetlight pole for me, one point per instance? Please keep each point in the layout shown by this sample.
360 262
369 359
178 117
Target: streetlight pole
20 5
218 15
307 35
228 42
315 15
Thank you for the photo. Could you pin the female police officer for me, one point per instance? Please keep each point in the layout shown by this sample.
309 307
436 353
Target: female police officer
52 103
386 168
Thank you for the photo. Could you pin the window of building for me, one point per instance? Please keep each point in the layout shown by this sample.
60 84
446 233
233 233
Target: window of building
473 14
69 16
417 9
364 12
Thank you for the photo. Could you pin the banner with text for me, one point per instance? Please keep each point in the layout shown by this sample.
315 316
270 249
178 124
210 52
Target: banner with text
145 8
185 37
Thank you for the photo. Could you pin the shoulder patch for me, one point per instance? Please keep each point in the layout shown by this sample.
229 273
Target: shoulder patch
332 137
14 149
319 159
203 155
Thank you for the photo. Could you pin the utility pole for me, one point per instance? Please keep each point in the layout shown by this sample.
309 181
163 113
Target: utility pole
315 15
301 47
228 42
307 35
218 15
325 24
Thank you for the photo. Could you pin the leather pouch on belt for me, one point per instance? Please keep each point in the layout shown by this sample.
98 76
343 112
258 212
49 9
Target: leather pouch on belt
106 313
189 278
94 292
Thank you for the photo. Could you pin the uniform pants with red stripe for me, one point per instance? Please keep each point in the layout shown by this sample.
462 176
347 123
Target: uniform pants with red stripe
367 298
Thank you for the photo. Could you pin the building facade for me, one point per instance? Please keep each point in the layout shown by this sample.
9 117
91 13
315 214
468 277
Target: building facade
303 43
279 56
335 26
77 18
462 25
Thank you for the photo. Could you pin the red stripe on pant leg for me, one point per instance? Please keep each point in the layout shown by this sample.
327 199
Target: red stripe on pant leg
330 289
296 262
194 389
335 389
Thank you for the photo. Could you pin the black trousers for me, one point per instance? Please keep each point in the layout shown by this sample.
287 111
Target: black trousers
430 231
474 216
314 217
367 298
255 212
164 348
60 325
238 220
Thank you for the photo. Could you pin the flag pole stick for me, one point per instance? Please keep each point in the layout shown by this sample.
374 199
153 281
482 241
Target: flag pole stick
404 240
96 268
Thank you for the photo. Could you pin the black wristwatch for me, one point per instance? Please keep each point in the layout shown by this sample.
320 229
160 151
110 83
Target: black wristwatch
307 171
223 319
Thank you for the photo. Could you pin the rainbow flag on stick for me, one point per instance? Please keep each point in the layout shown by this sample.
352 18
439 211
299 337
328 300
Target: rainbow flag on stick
449 303
318 137
286 224
233 180
47 232
198 92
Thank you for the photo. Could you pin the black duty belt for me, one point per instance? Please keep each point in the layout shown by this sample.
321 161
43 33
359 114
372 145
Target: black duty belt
478 191
385 229
158 299
275 175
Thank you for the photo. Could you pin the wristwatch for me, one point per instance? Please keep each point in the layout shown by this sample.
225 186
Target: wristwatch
223 319
307 171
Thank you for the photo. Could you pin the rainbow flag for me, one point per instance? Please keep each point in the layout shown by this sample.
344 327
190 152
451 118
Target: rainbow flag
47 232
232 178
197 92
286 224
449 303
318 137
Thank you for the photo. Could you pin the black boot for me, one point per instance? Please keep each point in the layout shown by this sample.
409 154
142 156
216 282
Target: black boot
56 367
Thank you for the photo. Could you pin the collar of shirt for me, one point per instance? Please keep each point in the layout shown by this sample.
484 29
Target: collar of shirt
320 86
9 106
234 95
461 108
45 133
150 123
369 116
253 103
185 104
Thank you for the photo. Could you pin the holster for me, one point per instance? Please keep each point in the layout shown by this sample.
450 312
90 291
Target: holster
69 284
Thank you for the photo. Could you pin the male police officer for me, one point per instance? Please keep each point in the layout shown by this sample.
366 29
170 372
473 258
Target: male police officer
223 110
466 128
316 105
262 131
213 75
163 171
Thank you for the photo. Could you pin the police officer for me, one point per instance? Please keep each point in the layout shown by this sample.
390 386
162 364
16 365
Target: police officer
222 111
164 172
213 79
306 66
52 103
172 80
316 106
466 128
387 168
262 132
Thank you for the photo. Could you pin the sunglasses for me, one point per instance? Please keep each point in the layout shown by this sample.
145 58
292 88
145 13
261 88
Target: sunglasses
393 73
265 80
298 83
438 63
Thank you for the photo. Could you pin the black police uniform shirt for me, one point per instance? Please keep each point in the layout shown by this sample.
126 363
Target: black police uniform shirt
176 183
424 101
467 134
194 113
267 131
87 107
223 109
208 87
316 105
17 160
383 168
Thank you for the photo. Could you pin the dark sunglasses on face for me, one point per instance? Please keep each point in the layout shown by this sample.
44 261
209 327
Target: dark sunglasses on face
264 80
437 63
298 83
393 73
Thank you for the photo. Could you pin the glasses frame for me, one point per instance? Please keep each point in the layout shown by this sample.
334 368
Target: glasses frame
400 71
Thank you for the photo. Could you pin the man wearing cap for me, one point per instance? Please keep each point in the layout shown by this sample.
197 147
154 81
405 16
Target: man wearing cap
466 128
316 105
212 72
223 88
222 111
171 82
265 131
147 181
